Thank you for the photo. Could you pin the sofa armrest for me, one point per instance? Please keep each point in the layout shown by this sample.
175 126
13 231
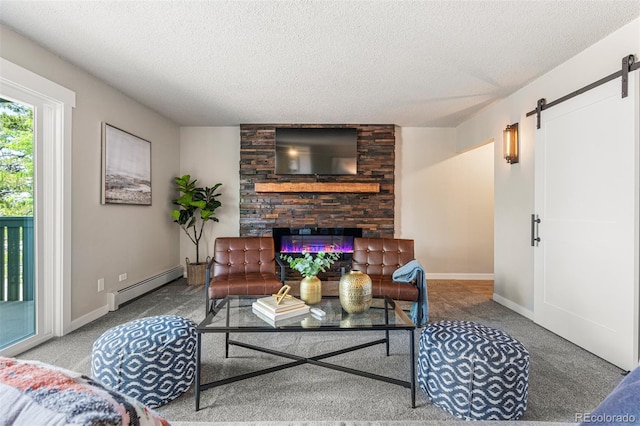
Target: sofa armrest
283 268
622 405
207 280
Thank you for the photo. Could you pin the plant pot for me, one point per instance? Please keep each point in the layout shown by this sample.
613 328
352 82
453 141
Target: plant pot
311 290
196 273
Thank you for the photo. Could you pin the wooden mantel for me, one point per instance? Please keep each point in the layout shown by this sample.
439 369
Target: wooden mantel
317 187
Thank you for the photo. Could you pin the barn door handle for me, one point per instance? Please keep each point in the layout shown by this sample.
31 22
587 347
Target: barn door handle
535 238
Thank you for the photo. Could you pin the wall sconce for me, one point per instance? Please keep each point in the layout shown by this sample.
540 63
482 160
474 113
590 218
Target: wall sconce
510 143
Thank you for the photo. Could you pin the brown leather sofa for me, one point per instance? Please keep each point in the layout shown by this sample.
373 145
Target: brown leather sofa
379 258
241 266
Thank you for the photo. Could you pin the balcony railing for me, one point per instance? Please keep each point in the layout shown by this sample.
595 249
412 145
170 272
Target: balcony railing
17 254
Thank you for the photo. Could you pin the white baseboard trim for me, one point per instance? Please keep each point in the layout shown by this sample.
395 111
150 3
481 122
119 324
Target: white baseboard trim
117 298
437 276
513 306
140 288
87 318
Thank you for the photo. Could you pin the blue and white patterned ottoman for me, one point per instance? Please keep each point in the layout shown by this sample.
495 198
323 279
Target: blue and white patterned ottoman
150 359
472 371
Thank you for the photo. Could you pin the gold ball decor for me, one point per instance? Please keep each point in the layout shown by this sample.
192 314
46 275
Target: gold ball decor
356 292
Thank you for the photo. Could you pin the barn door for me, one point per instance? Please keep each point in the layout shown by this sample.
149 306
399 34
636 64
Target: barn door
586 197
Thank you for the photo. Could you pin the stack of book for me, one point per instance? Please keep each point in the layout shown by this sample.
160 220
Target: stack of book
268 310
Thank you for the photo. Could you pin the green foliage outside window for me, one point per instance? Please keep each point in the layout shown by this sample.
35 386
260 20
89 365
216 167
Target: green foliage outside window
16 159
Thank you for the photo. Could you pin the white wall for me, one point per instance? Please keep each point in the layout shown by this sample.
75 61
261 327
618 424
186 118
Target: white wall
514 184
212 155
107 240
444 199
444 202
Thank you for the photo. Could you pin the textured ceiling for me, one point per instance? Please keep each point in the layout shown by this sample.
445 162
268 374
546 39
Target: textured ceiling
411 63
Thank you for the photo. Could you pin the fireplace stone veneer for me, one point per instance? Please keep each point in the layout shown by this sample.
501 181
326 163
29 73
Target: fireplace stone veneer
372 212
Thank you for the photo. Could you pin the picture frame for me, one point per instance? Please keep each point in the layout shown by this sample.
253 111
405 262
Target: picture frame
126 167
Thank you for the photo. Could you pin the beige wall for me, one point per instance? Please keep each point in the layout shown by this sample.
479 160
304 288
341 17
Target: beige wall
108 240
514 184
212 155
444 201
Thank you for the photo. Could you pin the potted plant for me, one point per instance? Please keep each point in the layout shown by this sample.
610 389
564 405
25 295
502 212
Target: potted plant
196 207
310 267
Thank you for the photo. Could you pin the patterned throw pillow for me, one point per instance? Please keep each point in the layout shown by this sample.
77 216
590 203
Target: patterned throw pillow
36 393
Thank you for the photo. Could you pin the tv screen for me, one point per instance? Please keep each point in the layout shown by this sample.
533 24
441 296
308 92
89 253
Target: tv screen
319 151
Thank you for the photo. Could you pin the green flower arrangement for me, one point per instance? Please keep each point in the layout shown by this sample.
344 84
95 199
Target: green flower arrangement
309 266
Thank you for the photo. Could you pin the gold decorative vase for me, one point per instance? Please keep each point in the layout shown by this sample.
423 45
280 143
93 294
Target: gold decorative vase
311 290
356 292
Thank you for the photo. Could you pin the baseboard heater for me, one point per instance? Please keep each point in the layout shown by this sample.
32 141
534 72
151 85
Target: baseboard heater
145 286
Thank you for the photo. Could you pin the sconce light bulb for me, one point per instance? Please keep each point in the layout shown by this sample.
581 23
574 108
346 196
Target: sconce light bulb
510 143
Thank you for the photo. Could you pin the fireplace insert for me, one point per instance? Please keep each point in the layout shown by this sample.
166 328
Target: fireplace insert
313 240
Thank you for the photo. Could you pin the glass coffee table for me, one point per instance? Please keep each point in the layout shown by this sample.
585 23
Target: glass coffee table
234 315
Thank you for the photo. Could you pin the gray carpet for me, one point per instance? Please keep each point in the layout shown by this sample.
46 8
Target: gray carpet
564 379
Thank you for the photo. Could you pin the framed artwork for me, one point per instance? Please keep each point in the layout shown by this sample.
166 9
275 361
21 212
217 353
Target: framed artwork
126 167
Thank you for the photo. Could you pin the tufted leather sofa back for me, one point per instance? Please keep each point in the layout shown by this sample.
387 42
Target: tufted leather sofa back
243 255
381 256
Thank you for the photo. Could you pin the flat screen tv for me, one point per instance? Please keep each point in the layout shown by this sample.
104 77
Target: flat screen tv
316 151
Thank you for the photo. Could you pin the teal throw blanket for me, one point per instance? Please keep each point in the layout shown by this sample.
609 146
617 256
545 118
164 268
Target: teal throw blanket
413 271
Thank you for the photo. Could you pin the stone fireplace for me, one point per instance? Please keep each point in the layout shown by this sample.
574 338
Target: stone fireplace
364 201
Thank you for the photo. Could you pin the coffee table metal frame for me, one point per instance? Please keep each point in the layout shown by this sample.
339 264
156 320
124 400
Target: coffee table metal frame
394 318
